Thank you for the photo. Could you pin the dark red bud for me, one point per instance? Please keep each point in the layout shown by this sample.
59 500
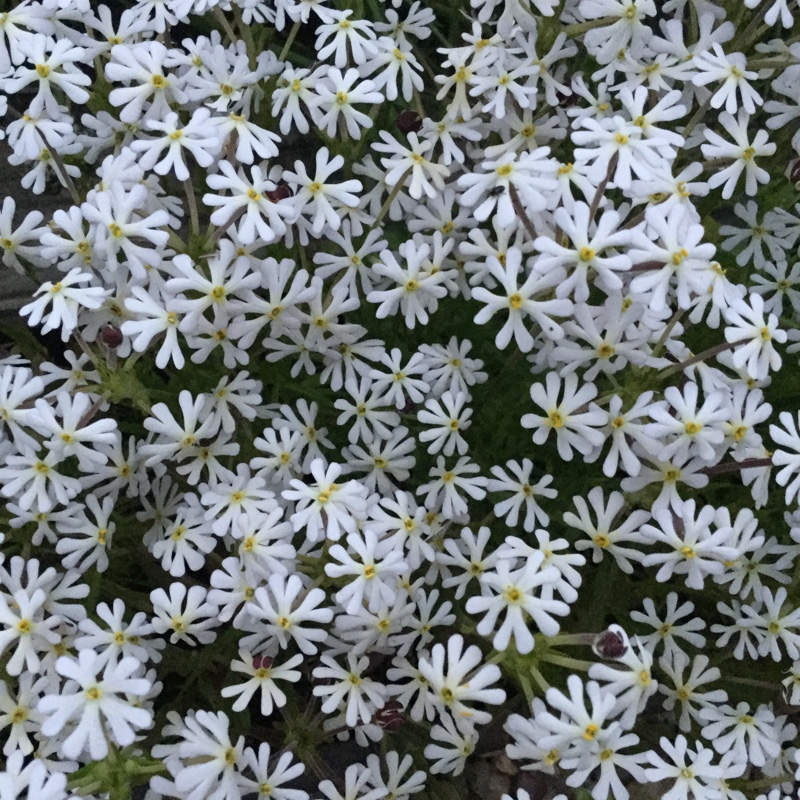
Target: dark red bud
566 100
262 662
281 192
794 173
610 645
390 717
111 336
409 121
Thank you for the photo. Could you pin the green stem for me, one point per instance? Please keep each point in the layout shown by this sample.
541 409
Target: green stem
519 210
737 466
598 195
706 354
289 39
541 682
696 117
247 36
674 320
225 25
771 63
586 639
390 199
579 28
566 661
191 201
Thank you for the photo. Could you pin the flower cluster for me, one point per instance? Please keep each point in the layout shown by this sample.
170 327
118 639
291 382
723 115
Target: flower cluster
345 298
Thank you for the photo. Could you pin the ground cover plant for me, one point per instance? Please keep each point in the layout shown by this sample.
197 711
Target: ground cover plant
416 376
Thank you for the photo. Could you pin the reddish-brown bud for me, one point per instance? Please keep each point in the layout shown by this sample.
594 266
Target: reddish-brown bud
111 336
390 717
262 662
281 192
794 173
409 121
611 644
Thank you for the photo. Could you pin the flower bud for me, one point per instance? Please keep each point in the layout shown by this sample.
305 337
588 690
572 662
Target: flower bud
390 717
794 174
111 336
262 662
281 192
409 121
611 644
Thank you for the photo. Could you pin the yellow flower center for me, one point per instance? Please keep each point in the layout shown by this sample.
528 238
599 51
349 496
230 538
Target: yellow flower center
606 350
555 419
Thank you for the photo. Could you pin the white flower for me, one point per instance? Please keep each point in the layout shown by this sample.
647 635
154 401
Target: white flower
374 575
315 194
609 534
418 288
696 551
514 591
263 674
249 203
143 65
326 508
586 256
632 686
176 138
691 770
731 69
94 701
337 94
25 622
531 175
350 37
65 298
458 744
349 687
186 613
578 430
205 760
53 64
427 177
450 418
457 683
524 493
444 489
283 620
790 462
685 689
749 736
154 318
743 151
267 773
520 302
670 626
755 334
576 727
